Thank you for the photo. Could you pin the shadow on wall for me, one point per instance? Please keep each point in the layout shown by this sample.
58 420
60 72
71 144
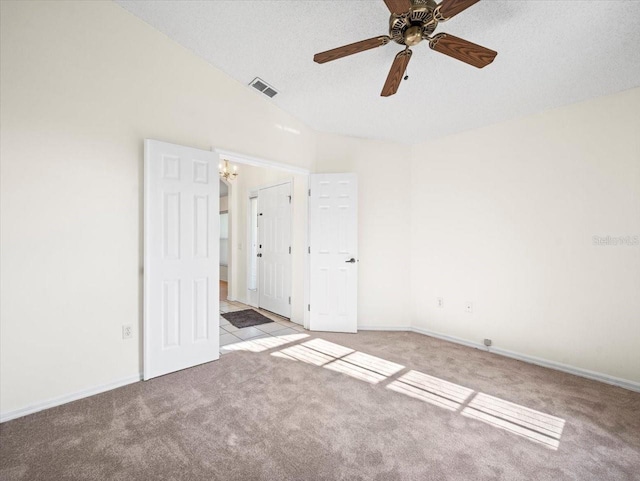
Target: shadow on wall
528 423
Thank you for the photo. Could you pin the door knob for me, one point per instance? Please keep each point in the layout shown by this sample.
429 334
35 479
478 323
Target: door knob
351 261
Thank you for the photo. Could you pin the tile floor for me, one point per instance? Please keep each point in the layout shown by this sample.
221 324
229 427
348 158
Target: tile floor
230 334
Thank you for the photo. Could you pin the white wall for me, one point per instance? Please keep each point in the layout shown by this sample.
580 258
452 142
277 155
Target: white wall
383 223
504 216
224 203
82 85
224 273
249 178
224 242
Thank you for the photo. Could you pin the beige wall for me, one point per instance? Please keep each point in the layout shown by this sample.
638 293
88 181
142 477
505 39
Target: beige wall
224 269
82 84
224 203
384 213
504 217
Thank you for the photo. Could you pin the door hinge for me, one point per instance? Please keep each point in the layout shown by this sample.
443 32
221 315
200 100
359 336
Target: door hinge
309 307
289 249
289 199
289 300
309 250
309 192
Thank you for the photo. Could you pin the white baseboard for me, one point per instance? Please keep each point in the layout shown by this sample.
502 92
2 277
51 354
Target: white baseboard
384 328
596 376
34 408
454 339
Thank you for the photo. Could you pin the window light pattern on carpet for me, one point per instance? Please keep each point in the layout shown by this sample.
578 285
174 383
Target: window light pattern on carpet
513 418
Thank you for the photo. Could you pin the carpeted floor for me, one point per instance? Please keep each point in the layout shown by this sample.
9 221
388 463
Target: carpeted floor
423 409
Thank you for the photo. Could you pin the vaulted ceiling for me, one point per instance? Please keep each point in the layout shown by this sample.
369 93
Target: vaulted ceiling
550 53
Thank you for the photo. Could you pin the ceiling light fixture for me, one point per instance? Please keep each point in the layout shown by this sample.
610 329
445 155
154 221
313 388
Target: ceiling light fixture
411 22
225 171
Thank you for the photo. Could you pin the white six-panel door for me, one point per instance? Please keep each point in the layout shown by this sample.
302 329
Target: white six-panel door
333 252
274 249
181 241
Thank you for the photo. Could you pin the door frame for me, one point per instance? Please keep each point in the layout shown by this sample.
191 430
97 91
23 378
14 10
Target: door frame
251 301
230 219
240 158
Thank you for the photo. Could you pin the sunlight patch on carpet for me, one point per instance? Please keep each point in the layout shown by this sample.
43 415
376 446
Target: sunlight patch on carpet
514 418
431 389
264 343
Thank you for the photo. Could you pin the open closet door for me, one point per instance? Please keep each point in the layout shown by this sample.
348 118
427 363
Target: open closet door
333 252
181 243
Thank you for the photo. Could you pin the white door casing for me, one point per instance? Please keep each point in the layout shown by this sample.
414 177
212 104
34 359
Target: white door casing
274 248
333 252
252 250
181 271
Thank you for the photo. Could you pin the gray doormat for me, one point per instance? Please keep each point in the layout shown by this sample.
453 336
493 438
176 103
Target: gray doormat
246 318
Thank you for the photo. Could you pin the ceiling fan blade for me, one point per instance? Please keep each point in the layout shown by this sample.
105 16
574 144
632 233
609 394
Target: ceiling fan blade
396 73
350 49
451 8
398 6
463 50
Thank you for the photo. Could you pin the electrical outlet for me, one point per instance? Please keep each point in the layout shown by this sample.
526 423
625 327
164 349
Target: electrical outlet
487 342
127 331
468 307
440 302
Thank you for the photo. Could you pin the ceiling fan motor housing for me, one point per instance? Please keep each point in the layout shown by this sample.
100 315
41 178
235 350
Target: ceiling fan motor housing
411 27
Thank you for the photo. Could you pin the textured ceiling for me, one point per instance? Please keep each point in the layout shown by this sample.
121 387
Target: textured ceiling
550 53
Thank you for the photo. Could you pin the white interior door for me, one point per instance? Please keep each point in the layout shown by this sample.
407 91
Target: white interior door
181 241
333 252
274 249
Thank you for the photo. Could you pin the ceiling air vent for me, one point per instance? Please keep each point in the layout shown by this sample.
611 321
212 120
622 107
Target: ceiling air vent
259 84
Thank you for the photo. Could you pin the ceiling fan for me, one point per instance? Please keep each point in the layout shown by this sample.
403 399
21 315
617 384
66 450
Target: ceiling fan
411 22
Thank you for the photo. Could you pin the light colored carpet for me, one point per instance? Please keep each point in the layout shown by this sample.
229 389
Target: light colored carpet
321 408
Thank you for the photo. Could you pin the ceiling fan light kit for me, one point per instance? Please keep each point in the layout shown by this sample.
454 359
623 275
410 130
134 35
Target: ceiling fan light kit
411 22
